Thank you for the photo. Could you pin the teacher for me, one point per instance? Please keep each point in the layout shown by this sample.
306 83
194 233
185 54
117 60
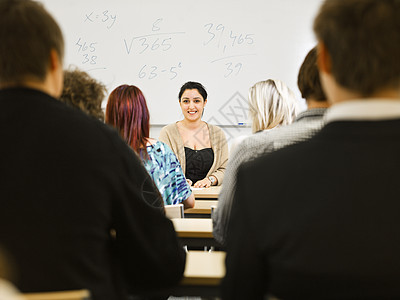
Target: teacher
201 148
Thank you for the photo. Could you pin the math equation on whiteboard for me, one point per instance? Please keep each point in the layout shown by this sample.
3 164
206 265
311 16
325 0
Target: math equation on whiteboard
223 38
229 47
152 72
155 41
232 47
87 49
104 17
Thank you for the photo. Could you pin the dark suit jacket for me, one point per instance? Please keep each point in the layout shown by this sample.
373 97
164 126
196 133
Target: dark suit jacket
320 219
66 180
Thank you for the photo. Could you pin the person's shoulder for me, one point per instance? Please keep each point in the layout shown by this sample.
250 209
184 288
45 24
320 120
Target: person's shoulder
163 146
160 147
216 131
170 127
255 144
151 141
156 145
285 135
164 153
169 132
285 157
311 113
167 151
71 124
82 130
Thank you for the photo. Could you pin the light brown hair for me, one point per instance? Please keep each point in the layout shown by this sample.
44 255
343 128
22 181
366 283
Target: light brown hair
28 33
83 92
363 40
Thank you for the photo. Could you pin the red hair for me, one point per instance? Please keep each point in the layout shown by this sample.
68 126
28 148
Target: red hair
127 111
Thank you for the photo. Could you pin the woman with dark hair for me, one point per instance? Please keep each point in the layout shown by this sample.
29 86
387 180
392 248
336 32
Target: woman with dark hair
127 111
201 148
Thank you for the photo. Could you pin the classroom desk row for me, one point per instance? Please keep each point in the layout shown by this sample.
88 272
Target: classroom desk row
195 232
204 270
206 201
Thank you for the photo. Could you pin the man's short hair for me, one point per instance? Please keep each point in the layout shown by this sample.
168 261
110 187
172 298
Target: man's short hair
363 40
83 92
27 35
308 78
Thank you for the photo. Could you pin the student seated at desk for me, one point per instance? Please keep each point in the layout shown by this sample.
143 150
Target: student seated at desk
83 92
201 148
70 181
304 127
322 222
127 111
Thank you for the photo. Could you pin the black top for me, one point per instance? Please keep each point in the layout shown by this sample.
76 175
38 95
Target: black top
66 181
198 163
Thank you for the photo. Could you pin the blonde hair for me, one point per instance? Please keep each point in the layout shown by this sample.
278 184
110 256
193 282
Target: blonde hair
272 103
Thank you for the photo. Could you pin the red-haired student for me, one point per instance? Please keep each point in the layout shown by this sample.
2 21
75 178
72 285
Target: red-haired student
127 111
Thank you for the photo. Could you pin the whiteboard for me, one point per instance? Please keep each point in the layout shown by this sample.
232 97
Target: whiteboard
158 45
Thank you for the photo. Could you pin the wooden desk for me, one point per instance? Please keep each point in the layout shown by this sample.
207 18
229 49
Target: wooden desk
202 207
60 295
195 232
207 193
203 274
193 228
204 268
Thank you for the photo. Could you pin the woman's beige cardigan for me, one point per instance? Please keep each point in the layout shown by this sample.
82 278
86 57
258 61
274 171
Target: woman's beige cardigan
171 136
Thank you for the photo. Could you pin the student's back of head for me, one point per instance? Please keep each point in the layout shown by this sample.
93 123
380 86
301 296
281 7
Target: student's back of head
363 44
272 103
29 36
127 111
308 78
83 92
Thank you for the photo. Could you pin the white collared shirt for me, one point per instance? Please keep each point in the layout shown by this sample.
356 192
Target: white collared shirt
364 110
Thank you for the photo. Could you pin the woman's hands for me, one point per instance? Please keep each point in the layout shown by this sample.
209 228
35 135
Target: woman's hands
204 183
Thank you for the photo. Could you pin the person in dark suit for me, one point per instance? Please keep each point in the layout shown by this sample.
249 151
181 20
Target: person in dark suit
77 207
320 219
